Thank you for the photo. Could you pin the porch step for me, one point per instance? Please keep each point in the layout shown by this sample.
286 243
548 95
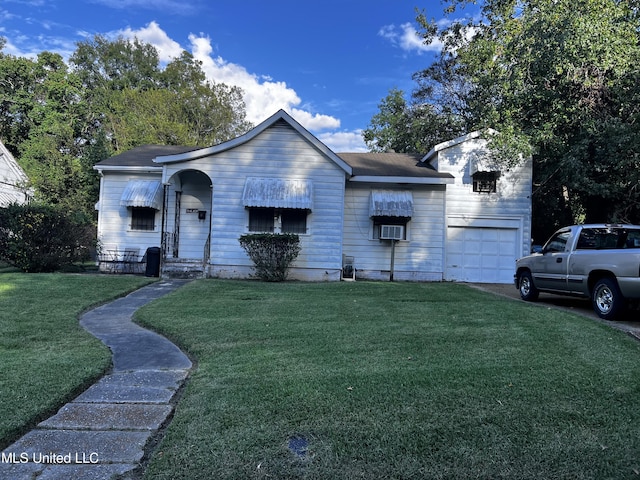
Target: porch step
183 268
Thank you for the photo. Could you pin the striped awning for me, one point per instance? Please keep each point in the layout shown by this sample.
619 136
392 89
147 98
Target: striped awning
389 203
142 193
278 193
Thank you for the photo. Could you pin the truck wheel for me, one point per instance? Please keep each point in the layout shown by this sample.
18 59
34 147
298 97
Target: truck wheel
606 299
528 290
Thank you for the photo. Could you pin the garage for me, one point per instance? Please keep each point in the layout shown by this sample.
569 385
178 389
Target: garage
480 254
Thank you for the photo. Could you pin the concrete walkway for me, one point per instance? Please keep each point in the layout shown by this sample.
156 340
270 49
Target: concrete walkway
103 432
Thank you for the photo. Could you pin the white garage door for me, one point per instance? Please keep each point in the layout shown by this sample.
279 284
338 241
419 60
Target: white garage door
481 255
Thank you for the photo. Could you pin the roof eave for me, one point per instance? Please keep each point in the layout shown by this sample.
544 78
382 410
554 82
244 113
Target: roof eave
411 180
127 169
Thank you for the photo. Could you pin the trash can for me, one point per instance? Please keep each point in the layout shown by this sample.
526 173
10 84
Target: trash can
153 262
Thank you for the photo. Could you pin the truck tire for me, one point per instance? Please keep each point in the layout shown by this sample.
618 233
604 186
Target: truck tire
606 298
528 291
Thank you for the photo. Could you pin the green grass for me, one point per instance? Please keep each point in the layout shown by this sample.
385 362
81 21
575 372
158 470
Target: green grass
45 356
394 380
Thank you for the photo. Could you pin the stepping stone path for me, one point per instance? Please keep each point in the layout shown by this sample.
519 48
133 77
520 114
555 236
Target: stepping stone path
103 432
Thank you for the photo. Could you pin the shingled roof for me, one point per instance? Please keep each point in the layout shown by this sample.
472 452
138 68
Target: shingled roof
390 164
364 165
143 156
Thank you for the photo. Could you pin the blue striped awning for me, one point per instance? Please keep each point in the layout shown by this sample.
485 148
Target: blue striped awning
142 193
389 203
278 193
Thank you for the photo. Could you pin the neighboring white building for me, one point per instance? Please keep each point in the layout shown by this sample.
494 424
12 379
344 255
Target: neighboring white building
196 203
13 180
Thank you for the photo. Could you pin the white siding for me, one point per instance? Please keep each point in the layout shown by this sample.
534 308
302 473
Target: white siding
114 220
420 257
509 208
12 179
278 152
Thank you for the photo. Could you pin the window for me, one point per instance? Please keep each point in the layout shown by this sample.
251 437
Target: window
558 242
261 219
379 221
292 220
485 182
143 218
608 238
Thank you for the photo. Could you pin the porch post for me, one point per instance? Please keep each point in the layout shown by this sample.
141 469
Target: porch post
163 241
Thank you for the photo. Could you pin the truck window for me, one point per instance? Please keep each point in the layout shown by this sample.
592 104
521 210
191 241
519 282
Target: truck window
633 239
587 239
558 242
608 239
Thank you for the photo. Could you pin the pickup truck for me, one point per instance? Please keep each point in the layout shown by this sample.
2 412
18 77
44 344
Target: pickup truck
600 262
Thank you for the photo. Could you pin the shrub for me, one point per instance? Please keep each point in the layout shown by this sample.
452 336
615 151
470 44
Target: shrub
271 253
42 238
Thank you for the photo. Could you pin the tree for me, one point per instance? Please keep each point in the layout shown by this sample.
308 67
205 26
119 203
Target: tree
557 78
405 128
140 102
59 120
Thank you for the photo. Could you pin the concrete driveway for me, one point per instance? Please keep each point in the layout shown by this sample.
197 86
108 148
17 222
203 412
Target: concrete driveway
630 323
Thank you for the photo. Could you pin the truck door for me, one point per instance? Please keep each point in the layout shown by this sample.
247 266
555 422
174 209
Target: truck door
551 273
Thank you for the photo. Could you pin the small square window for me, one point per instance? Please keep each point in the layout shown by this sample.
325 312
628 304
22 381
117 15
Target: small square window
261 219
143 218
485 182
294 221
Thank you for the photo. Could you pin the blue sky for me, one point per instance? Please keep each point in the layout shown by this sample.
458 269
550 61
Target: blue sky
328 63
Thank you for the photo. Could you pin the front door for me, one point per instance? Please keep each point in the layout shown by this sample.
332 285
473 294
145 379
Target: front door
194 223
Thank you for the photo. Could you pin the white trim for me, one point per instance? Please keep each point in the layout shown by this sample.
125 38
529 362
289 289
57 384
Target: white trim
413 180
127 169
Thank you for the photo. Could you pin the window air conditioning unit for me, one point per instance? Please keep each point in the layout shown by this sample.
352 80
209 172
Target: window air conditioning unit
391 232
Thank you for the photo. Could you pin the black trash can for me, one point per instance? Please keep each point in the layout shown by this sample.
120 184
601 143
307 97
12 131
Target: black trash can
153 262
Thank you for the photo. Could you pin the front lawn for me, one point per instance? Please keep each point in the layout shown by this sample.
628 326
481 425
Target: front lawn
45 356
393 380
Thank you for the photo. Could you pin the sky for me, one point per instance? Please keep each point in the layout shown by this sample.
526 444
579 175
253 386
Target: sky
327 63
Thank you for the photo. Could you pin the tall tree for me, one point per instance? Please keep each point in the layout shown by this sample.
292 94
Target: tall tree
406 127
559 78
140 102
59 120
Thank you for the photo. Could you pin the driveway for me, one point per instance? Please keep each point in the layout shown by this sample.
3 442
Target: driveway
630 323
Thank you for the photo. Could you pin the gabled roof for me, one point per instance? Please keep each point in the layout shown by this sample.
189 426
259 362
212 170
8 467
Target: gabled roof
456 141
393 168
279 116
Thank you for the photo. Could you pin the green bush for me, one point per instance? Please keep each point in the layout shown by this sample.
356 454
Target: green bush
42 238
271 253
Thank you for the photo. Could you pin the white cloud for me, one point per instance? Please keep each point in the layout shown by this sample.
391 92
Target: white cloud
344 141
262 95
153 34
408 39
315 121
